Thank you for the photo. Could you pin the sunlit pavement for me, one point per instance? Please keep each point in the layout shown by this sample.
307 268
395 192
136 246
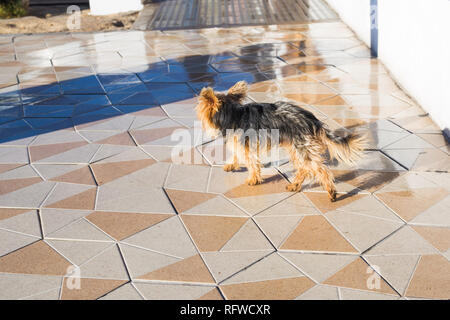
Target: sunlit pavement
88 181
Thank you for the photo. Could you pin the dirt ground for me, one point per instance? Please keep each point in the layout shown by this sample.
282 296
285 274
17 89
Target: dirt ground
54 19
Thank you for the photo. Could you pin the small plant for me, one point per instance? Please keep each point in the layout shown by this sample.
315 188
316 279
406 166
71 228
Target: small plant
13 8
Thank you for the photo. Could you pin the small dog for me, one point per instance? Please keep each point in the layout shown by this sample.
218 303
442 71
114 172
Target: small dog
300 132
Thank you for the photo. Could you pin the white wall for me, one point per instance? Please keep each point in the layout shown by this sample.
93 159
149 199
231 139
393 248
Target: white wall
103 7
355 14
413 43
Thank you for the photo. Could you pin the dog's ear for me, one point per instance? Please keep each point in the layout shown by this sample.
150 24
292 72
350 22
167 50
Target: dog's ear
208 98
238 91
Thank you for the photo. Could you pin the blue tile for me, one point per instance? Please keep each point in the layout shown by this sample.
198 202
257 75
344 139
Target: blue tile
99 114
84 85
74 99
13 128
49 89
226 80
130 89
171 77
221 57
17 135
266 49
170 92
8 100
10 111
154 71
189 60
112 82
249 77
5 119
50 123
91 105
33 99
197 86
135 108
234 67
138 98
50 111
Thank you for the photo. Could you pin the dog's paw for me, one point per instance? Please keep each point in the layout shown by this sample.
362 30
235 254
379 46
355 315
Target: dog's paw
254 181
293 187
332 196
230 167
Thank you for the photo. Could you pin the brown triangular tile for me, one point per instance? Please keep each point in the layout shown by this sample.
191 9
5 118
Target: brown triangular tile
47 150
410 203
308 98
439 237
82 176
185 200
148 135
121 225
323 203
357 275
105 172
6 213
89 289
437 140
333 101
191 269
9 166
351 123
210 233
36 258
214 294
431 278
315 233
271 184
7 186
82 201
121 139
310 68
280 289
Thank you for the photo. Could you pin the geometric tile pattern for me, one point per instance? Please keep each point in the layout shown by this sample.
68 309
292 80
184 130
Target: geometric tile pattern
94 203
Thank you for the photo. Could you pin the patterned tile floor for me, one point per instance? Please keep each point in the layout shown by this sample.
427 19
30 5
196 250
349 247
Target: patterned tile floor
92 205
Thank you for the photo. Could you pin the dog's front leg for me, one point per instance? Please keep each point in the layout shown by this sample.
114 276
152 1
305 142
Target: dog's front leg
254 168
234 165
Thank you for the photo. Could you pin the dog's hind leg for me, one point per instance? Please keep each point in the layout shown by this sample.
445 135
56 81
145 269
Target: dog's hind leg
325 178
309 161
301 168
296 184
313 154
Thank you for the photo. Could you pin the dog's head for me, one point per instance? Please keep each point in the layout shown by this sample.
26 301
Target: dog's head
209 102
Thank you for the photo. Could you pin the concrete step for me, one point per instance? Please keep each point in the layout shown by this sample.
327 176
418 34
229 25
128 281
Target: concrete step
188 14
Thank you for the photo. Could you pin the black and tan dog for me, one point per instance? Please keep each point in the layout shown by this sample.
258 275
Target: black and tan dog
299 131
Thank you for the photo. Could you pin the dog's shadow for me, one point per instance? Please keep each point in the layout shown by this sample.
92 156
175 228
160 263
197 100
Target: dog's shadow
370 183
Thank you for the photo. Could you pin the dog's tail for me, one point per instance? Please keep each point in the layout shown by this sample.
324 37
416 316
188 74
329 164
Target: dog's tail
348 149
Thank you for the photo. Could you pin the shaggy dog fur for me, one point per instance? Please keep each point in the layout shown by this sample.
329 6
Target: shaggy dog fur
300 132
